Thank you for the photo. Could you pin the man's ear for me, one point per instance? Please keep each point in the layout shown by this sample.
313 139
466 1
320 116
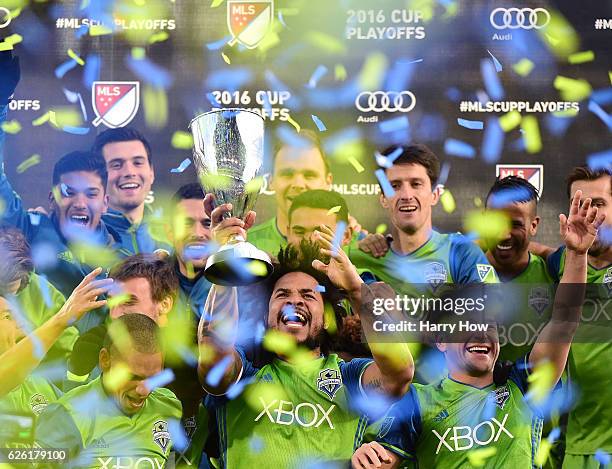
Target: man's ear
104 360
329 179
152 173
383 200
436 194
105 204
533 229
166 305
441 346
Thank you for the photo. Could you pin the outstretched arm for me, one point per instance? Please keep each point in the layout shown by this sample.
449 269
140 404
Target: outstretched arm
540 249
578 231
21 359
393 367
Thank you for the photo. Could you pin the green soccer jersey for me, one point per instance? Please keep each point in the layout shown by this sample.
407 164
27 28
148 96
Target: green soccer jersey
267 237
444 424
588 427
529 298
291 415
97 434
443 259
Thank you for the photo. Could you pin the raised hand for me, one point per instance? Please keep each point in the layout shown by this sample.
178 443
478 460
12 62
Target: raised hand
340 270
84 297
579 229
224 230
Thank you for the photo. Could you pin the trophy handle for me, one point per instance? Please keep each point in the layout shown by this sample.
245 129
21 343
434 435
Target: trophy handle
234 239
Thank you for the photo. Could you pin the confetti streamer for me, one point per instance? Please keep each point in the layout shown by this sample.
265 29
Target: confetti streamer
602 457
493 141
99 30
138 53
602 97
11 127
10 41
34 220
498 65
599 112
294 123
281 18
393 125
155 107
177 432
356 164
338 235
74 56
468 124
158 37
373 71
320 288
381 229
325 42
215 375
458 148
571 89
581 57
149 72
491 80
231 80
216 45
64 68
42 119
44 290
159 380
319 123
28 163
523 67
225 58
339 72
182 140
531 135
319 73
492 225
444 172
400 75
600 160
478 457
509 120
182 167
91 72
384 183
76 130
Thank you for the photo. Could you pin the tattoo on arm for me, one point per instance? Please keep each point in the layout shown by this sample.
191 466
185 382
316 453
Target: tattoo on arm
374 384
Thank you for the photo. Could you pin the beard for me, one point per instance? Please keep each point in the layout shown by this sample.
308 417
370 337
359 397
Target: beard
316 340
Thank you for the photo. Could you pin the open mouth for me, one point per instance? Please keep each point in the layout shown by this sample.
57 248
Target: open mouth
505 246
79 219
135 402
129 186
293 319
407 208
479 349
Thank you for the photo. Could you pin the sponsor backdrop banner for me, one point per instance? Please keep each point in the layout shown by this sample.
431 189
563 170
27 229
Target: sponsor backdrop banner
494 88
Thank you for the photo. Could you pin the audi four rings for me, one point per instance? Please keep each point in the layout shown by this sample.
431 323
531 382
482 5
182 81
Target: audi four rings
519 18
389 101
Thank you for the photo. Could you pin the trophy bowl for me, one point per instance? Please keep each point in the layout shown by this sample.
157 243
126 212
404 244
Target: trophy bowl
228 156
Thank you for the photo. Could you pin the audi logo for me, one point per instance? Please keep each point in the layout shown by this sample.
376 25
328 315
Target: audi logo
5 16
519 18
389 101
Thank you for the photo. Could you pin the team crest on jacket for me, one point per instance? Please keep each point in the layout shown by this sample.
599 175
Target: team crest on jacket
161 435
385 427
38 402
435 274
607 280
484 271
329 381
500 396
539 299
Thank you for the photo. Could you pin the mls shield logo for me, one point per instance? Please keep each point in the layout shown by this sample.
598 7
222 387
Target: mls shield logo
539 299
435 274
248 22
329 381
534 173
500 396
161 435
485 272
115 102
38 402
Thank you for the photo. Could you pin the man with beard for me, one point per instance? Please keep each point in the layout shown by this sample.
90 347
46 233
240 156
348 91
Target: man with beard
517 199
298 406
419 257
481 406
130 176
588 428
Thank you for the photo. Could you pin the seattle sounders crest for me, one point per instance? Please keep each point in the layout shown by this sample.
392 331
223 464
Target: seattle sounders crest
329 381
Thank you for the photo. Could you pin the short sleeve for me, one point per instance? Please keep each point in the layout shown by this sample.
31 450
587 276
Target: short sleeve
55 428
400 428
553 264
468 264
352 372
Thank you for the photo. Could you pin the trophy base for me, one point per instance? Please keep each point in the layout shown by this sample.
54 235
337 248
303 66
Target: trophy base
238 264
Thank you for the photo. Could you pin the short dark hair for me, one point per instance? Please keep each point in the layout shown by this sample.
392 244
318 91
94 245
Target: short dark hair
122 134
190 191
511 189
311 139
584 173
417 154
159 273
80 161
143 333
15 258
319 198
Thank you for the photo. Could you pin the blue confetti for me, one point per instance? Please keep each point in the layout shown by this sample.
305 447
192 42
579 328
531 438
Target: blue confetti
492 141
599 112
212 100
160 379
149 72
382 160
392 125
177 432
444 172
602 457
216 45
81 31
236 389
319 123
319 73
91 72
554 435
384 183
600 160
557 125
491 80
45 291
338 235
290 138
281 19
256 444
182 167
34 218
340 138
453 94
456 147
76 130
230 80
602 97
399 76
320 288
187 355
64 68
215 375
498 65
468 124
507 197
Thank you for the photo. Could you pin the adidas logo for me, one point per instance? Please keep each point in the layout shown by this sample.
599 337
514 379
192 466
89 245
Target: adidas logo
441 416
267 378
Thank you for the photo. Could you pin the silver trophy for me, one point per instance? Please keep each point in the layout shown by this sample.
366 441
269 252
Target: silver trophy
228 155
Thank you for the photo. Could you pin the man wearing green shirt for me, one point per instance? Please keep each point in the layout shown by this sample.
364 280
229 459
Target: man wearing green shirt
474 417
121 419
